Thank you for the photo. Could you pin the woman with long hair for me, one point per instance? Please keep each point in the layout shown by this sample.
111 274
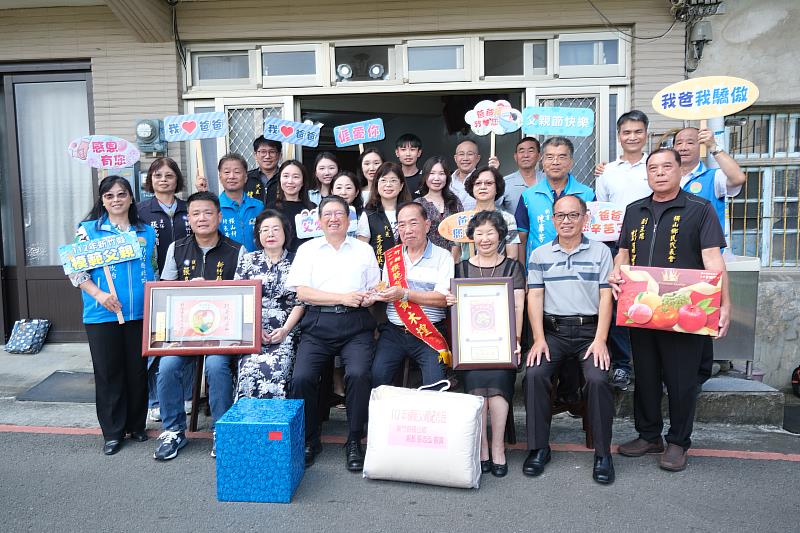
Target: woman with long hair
438 200
326 167
369 162
292 197
120 371
378 224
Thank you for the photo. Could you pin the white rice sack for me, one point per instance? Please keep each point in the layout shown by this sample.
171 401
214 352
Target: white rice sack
424 437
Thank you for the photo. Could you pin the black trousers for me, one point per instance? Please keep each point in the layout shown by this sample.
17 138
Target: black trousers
680 361
569 343
325 335
120 377
394 345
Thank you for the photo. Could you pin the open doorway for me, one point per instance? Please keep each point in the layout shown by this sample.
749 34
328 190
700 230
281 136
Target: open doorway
437 118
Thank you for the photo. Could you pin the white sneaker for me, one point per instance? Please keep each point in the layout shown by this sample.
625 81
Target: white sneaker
187 407
214 444
154 414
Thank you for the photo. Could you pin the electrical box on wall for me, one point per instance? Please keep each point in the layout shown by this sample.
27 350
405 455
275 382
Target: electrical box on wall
150 136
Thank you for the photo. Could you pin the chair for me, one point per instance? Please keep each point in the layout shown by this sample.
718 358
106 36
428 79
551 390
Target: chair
575 406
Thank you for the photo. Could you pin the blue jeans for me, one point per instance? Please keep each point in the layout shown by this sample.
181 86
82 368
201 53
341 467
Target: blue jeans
152 381
170 388
394 345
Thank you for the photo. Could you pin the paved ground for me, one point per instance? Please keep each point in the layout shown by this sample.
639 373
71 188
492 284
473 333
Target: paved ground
53 476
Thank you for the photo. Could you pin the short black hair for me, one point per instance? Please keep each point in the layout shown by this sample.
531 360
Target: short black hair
232 157
672 151
634 115
533 140
492 217
159 162
333 199
558 140
261 141
204 196
408 139
499 182
416 205
581 202
272 213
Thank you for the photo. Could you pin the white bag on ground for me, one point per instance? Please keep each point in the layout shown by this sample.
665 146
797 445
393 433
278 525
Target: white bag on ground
424 437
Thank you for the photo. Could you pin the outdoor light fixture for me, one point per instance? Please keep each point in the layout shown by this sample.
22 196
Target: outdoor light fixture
376 71
150 136
344 71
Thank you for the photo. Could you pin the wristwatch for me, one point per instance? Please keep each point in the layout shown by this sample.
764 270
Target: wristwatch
716 150
405 295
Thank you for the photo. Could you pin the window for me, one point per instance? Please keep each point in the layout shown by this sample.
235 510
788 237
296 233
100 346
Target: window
223 68
439 60
364 63
764 216
591 55
292 65
514 58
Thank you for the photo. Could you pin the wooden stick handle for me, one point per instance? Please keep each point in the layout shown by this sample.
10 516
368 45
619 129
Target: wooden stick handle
703 125
491 144
113 290
361 148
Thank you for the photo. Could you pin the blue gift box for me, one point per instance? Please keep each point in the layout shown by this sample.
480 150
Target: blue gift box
260 451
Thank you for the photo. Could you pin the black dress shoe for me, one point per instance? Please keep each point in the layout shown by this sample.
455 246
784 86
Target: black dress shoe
603 471
354 455
139 436
311 452
534 463
499 470
486 466
112 446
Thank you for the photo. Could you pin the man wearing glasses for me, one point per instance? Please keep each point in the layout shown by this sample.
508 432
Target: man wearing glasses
526 156
333 276
466 158
262 181
535 209
569 307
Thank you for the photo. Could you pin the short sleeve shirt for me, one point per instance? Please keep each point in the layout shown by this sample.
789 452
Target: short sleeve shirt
320 266
622 183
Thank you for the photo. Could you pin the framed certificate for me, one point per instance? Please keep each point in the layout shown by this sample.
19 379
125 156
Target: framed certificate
483 323
202 317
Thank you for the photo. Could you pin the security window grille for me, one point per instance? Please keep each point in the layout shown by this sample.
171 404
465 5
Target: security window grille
245 123
585 157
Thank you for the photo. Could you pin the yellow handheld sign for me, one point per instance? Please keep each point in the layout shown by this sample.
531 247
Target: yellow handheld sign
704 98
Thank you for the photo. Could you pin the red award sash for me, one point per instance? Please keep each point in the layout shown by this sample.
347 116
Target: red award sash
412 315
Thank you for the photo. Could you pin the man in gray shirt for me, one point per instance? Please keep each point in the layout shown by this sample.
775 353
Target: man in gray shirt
526 156
569 306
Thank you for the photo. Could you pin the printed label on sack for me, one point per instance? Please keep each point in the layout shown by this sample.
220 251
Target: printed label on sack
418 428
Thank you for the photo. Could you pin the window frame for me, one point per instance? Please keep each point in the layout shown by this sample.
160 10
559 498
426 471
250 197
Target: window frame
619 69
439 75
395 58
253 65
529 72
318 79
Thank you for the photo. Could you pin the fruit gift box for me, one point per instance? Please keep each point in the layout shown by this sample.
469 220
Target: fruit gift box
670 299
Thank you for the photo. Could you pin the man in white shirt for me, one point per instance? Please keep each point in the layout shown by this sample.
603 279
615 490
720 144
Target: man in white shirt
418 279
622 182
333 275
467 157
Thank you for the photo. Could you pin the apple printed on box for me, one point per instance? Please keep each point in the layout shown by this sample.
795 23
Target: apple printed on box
670 299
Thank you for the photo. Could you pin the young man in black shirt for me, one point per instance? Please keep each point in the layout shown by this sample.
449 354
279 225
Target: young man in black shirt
670 228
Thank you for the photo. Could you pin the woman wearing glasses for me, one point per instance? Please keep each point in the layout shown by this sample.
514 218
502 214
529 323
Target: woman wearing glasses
378 224
486 185
120 371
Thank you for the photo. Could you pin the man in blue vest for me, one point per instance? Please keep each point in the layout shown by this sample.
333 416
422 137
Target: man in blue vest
713 184
535 209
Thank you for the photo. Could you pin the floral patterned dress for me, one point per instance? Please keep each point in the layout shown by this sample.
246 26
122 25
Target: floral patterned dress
267 374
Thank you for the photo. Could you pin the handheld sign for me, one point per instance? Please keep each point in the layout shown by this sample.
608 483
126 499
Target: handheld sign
359 132
100 253
704 98
605 221
454 227
308 226
565 121
103 151
196 126
495 118
290 132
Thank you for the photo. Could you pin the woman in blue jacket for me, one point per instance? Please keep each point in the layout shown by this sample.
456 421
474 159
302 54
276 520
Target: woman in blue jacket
120 371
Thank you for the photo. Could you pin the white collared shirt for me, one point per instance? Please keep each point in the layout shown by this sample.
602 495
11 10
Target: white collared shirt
320 266
457 186
622 183
721 188
431 272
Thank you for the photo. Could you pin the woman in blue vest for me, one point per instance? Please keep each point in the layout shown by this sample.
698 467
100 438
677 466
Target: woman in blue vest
120 371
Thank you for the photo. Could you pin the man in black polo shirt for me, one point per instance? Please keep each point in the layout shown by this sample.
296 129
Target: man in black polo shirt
206 254
262 181
669 228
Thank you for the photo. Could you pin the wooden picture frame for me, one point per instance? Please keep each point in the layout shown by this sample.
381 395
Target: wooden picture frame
483 323
202 317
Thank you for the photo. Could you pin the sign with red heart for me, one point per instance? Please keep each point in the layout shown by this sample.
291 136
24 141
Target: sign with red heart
196 126
291 132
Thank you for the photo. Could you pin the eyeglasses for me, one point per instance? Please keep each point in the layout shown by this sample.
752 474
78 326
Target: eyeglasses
466 154
389 181
573 216
560 158
484 184
333 214
272 153
110 196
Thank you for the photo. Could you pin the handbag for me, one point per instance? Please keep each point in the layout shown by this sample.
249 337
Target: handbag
28 336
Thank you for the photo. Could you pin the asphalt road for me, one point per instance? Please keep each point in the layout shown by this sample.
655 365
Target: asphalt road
51 482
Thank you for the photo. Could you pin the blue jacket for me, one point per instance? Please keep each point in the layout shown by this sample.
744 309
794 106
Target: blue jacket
129 277
701 183
535 209
238 219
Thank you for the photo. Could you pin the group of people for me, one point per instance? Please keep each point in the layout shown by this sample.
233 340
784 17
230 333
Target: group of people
355 302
